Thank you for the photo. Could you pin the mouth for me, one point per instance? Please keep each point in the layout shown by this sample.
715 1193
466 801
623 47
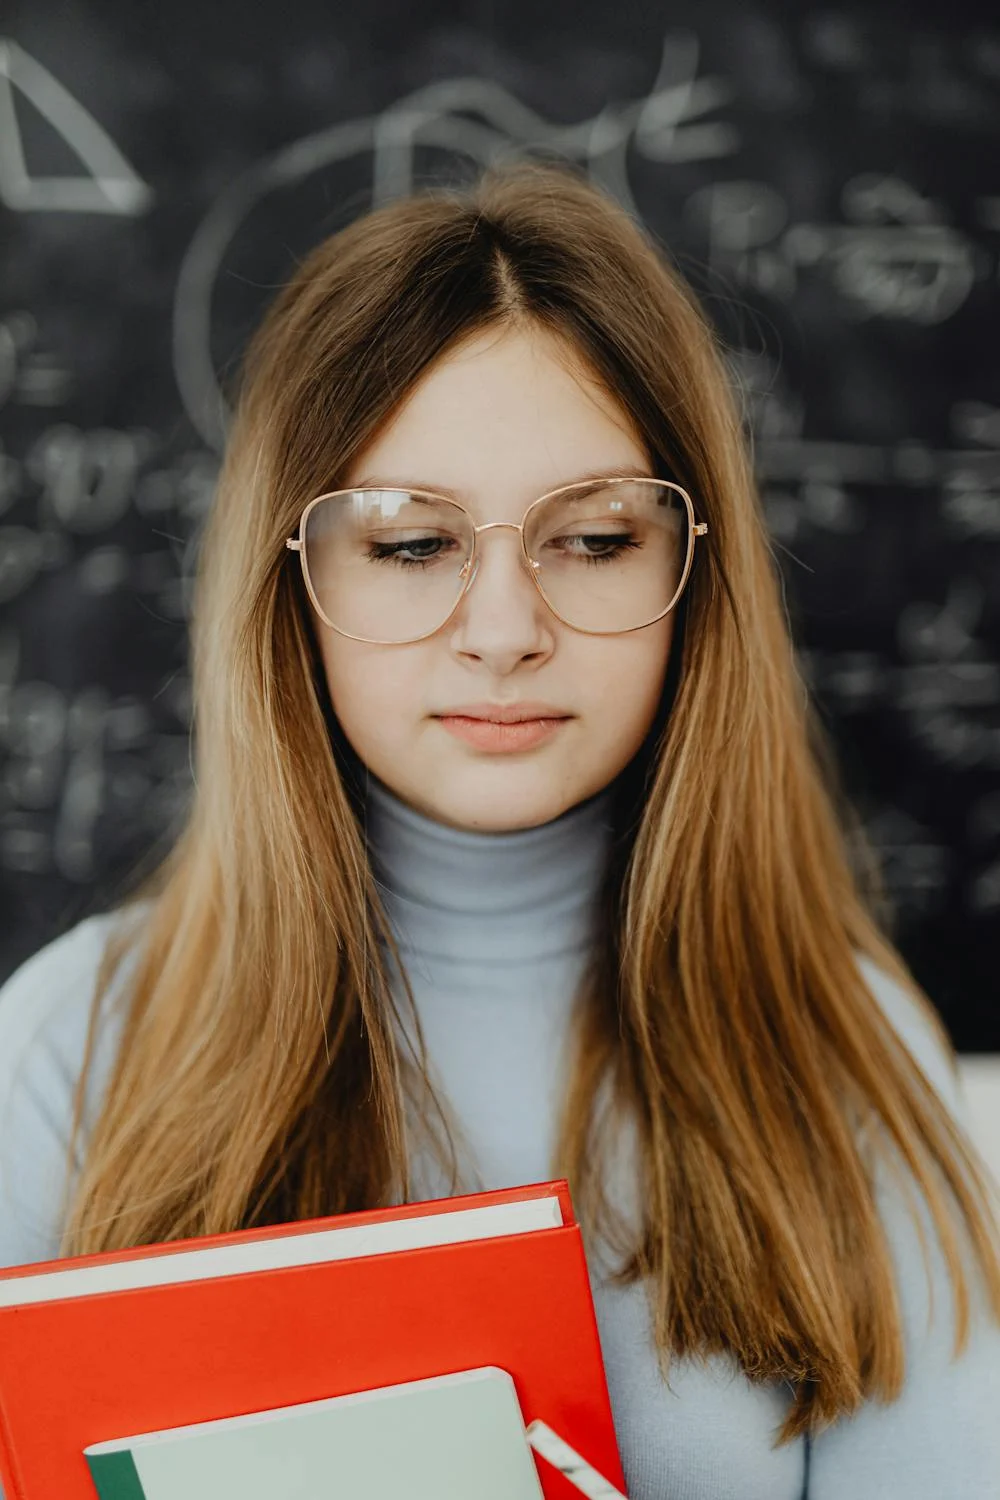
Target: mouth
503 735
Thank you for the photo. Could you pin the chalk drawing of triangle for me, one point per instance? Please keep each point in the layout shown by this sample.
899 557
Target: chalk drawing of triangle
112 187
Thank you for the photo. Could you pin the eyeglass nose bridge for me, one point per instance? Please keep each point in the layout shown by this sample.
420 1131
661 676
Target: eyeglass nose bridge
467 577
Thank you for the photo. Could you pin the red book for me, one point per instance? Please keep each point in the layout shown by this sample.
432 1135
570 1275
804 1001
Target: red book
119 1345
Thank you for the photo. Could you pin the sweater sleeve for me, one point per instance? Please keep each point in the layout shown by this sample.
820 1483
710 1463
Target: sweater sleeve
942 1436
44 1013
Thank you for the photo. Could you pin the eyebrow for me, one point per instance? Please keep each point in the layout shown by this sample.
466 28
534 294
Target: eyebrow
619 472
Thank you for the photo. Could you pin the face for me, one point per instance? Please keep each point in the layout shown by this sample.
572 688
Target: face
498 421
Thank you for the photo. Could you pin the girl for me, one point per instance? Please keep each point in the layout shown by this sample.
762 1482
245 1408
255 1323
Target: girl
515 852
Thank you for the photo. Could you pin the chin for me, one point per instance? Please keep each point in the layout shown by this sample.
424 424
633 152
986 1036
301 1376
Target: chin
500 807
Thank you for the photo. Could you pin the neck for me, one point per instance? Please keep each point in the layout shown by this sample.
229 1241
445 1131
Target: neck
459 894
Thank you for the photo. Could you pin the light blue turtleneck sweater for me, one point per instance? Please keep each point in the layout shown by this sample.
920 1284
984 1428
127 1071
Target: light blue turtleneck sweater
493 931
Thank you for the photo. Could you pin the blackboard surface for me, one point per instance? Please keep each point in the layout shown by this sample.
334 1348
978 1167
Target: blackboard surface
829 180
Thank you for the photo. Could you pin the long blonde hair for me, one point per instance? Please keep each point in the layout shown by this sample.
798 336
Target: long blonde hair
259 1077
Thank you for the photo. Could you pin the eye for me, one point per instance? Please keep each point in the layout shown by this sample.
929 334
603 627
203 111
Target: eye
413 552
595 546
601 541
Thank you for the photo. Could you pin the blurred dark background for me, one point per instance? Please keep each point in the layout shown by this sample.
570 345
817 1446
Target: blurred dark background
826 177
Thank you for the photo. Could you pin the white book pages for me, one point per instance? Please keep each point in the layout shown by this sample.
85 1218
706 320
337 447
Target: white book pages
442 1227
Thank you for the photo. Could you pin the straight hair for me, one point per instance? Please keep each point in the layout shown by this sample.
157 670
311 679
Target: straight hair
724 1017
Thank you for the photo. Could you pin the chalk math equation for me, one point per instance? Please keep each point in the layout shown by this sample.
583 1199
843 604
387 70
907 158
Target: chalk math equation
826 184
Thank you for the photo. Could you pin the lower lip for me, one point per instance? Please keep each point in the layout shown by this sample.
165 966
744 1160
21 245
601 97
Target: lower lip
486 734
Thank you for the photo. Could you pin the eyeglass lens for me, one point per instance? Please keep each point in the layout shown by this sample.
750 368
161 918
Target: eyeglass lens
389 565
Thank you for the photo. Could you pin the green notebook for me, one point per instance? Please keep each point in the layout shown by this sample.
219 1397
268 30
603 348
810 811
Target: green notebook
446 1438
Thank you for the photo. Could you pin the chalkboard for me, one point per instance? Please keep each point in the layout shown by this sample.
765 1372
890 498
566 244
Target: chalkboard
828 181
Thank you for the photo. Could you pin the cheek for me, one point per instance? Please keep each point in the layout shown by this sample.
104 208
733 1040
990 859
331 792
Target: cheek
369 686
632 674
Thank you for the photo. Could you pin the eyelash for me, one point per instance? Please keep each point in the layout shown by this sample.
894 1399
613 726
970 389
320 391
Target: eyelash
389 552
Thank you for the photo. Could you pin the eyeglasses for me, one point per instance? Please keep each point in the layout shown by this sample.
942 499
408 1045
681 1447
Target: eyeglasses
390 566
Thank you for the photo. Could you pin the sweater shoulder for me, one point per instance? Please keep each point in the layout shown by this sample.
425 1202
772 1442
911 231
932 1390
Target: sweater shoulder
45 1009
46 1002
918 1034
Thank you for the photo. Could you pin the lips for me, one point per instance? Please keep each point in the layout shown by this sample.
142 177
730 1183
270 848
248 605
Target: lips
504 713
512 733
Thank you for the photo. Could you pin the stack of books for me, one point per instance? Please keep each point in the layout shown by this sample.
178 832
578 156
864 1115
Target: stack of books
437 1351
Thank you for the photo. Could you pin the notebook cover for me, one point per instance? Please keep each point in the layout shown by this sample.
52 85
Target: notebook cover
80 1371
443 1439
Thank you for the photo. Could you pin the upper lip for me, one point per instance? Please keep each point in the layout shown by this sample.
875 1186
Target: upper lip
504 713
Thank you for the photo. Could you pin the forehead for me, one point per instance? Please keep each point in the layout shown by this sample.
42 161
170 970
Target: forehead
500 419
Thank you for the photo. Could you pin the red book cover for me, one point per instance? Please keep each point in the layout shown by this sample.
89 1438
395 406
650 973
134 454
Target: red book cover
84 1369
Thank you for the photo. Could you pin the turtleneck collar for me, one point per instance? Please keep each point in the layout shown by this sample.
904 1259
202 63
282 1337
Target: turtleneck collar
462 895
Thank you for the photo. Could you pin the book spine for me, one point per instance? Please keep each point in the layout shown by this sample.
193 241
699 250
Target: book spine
115 1476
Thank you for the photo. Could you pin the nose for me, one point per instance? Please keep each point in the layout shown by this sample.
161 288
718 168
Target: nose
502 619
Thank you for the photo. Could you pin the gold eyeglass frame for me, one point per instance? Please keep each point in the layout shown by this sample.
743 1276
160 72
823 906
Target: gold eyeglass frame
471 565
